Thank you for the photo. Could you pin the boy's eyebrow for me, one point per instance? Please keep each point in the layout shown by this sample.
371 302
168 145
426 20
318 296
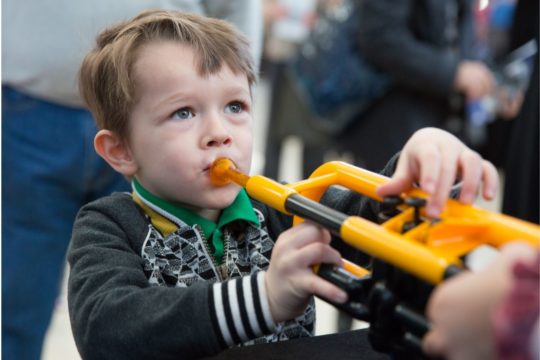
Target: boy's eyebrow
237 90
180 95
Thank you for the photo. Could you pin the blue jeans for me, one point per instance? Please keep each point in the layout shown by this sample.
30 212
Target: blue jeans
49 170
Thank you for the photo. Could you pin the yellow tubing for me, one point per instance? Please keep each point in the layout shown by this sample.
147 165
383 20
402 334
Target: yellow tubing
460 227
394 249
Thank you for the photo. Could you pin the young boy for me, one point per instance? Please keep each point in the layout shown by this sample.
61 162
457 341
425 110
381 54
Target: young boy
181 268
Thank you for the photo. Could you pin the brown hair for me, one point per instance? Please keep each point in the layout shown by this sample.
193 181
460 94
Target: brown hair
106 79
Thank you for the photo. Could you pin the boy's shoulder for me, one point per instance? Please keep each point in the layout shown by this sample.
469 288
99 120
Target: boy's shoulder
114 201
118 207
114 214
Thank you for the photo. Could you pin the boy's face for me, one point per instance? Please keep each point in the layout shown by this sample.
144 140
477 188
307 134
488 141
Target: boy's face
182 122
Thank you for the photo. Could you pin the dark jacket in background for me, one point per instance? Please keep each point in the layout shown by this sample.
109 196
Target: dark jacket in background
419 43
521 190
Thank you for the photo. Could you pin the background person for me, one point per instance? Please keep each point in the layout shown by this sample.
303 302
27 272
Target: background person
492 314
49 167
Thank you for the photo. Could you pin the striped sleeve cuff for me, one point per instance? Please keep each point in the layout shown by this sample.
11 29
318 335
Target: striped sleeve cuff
239 309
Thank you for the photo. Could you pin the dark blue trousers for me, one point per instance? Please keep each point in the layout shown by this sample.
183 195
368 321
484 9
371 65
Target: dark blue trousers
49 170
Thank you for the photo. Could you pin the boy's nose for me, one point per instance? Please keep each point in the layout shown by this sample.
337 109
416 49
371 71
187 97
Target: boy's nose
216 133
219 141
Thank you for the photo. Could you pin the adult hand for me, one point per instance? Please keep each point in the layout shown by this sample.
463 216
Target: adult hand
460 309
437 159
508 105
474 80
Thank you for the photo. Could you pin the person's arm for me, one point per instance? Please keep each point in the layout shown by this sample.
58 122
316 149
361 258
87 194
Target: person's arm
116 314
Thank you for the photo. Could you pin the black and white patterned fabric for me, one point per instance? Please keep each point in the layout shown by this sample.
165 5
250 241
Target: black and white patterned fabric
238 296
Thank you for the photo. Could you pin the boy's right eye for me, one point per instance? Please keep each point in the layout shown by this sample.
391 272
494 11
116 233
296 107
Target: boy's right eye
183 113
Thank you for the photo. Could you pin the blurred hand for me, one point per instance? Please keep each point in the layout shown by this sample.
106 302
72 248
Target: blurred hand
508 106
437 159
290 280
474 80
460 309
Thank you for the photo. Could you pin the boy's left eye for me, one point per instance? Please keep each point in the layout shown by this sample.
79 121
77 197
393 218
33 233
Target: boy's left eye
235 107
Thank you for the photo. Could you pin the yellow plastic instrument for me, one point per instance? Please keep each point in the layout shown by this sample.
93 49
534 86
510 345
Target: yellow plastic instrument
411 252
427 250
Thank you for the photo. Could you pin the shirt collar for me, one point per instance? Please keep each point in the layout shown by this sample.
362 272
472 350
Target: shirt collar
240 209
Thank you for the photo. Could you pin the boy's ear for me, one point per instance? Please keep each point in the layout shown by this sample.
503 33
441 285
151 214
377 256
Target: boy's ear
115 152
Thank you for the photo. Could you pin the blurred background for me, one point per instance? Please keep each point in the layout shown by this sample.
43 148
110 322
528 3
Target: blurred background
347 80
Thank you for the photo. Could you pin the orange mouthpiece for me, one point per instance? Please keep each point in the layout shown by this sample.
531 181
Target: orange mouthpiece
223 171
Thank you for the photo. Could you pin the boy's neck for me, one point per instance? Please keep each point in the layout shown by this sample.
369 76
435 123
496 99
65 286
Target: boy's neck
210 214
241 208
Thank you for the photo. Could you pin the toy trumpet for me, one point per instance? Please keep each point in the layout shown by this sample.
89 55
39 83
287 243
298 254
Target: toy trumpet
408 247
427 248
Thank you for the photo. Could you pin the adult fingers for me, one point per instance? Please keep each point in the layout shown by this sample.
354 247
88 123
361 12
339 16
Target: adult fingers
471 175
430 169
490 177
395 186
425 167
445 180
400 180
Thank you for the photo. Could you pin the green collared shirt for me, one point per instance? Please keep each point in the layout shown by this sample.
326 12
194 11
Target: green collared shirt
240 209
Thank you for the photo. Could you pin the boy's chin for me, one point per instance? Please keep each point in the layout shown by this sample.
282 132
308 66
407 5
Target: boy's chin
225 198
